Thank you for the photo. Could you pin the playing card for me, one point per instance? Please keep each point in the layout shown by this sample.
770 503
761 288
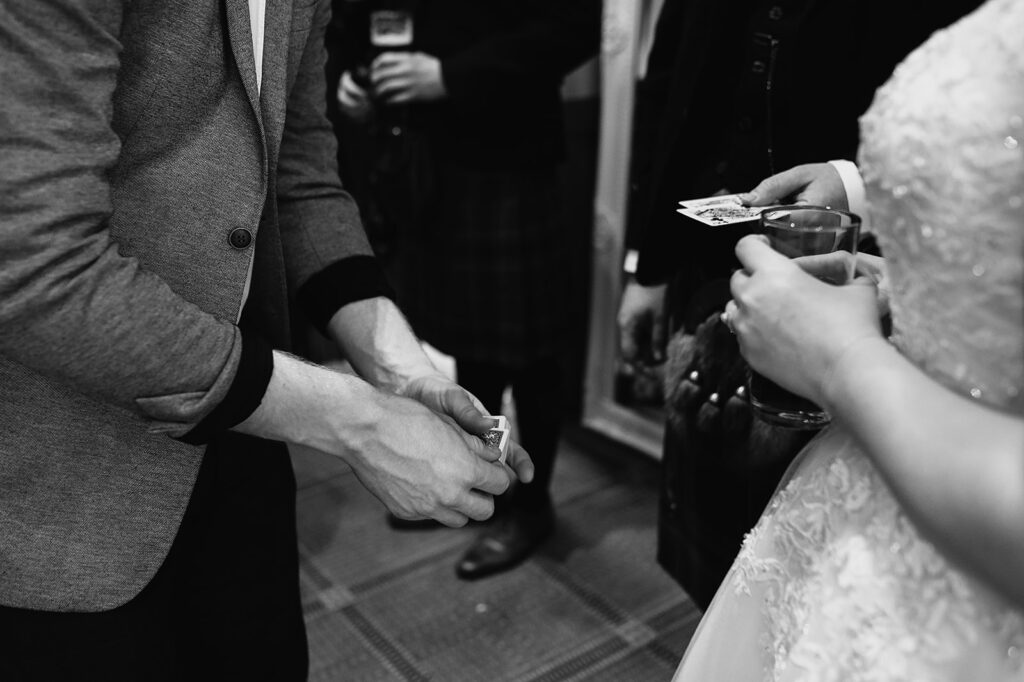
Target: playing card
726 209
498 422
498 438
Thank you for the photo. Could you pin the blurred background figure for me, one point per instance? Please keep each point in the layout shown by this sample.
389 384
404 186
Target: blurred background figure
735 91
460 109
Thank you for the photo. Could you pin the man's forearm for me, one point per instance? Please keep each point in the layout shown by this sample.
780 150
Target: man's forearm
377 340
301 403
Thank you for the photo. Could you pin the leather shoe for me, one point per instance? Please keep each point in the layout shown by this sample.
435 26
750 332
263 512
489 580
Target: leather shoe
506 542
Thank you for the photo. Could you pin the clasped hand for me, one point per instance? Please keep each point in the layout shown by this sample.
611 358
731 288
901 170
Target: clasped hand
791 326
395 77
449 473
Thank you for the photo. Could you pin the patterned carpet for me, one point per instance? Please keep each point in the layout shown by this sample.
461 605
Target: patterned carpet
591 605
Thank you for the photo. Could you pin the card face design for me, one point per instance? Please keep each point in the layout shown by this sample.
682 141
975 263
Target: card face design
498 438
721 210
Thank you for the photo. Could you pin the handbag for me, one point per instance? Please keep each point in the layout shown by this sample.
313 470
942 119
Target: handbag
708 405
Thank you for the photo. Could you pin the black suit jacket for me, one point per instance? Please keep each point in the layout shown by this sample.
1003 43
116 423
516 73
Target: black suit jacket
750 88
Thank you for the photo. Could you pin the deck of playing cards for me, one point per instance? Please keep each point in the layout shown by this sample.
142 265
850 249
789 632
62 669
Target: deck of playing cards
726 209
497 436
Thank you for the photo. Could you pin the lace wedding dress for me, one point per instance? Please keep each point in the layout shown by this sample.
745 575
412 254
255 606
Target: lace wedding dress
835 583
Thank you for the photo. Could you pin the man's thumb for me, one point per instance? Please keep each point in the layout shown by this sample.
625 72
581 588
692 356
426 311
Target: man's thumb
773 189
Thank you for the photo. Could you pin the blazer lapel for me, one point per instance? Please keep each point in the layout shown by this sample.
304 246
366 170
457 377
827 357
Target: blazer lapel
273 100
240 35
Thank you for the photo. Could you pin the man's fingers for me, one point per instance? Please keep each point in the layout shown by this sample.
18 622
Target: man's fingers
380 76
349 85
774 189
401 96
386 59
450 517
456 402
391 87
519 462
491 478
477 506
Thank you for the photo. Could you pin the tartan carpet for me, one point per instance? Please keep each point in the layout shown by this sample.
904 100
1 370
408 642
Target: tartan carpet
592 604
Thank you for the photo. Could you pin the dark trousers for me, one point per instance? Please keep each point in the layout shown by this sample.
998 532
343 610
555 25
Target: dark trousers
224 605
537 391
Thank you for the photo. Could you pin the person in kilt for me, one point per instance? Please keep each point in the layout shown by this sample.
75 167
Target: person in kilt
468 122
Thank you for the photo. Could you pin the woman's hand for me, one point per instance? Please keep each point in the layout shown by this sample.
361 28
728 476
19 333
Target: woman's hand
407 77
353 100
792 327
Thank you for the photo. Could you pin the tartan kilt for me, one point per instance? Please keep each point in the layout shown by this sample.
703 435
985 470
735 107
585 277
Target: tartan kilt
483 272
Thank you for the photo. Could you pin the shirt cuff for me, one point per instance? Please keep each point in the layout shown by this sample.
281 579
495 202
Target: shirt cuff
856 197
245 394
348 280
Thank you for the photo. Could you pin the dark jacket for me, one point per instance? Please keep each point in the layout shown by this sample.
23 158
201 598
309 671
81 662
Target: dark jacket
757 87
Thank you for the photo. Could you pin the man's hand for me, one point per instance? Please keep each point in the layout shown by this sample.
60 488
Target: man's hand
424 465
353 100
641 319
407 77
418 463
817 184
445 397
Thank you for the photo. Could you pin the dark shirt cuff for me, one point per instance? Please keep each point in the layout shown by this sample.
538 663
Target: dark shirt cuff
245 393
351 279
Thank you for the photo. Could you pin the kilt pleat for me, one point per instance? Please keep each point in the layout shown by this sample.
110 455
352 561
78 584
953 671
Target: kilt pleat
483 274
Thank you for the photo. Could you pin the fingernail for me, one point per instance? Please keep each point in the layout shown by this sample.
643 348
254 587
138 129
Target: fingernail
748 197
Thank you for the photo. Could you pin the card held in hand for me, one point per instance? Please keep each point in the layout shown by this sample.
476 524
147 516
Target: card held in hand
498 438
726 209
498 421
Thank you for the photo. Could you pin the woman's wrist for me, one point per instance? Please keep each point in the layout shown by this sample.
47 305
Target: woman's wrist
850 373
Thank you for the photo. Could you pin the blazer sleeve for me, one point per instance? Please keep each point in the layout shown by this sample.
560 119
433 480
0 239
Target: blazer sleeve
559 36
71 307
329 259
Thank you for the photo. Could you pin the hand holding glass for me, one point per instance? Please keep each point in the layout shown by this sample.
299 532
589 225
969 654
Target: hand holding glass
824 242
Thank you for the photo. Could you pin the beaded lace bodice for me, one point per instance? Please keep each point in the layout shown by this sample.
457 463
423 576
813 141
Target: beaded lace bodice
943 158
851 591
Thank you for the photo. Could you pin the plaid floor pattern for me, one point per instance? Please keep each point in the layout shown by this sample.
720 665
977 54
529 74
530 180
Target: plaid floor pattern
382 604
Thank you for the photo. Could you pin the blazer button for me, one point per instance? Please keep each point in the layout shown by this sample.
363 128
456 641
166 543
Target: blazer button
775 13
240 238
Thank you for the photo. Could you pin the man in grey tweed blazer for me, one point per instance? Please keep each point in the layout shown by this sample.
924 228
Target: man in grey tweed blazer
168 192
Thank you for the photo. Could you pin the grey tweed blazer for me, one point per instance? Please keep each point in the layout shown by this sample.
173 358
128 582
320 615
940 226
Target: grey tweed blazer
133 141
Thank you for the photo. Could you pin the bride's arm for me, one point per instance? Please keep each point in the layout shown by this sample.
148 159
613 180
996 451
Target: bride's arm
956 465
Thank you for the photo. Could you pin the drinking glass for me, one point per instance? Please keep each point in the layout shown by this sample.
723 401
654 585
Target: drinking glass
824 242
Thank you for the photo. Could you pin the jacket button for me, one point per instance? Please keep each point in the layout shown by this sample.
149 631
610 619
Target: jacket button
240 238
758 66
775 13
